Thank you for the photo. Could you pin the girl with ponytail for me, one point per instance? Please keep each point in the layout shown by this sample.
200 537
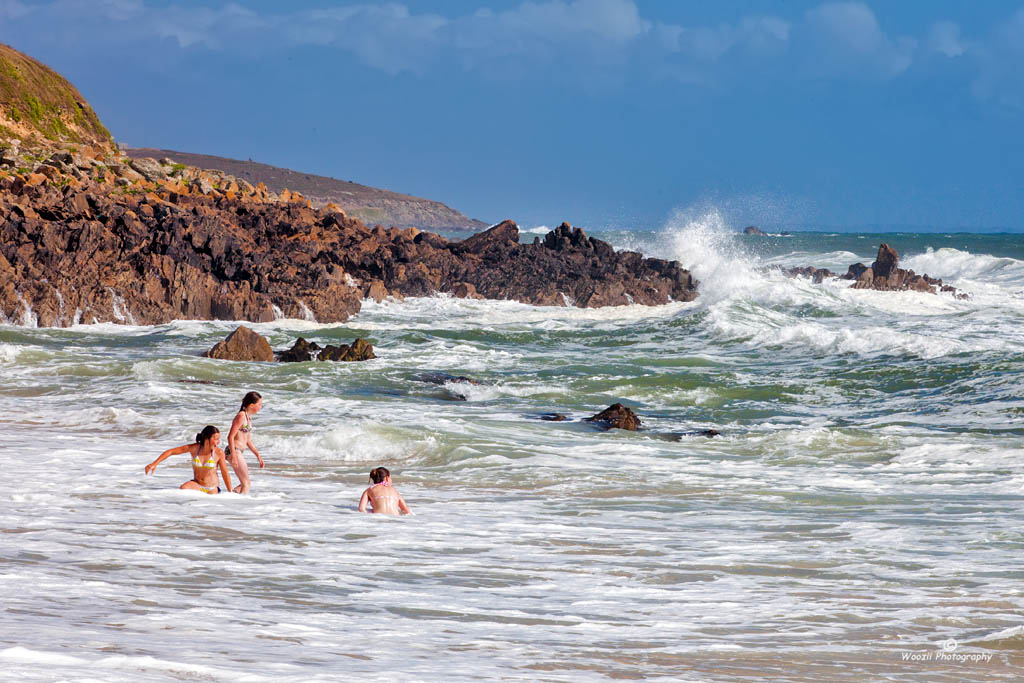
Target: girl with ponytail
206 458
240 438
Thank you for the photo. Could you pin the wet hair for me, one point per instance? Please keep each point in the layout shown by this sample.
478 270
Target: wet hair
379 474
249 399
204 436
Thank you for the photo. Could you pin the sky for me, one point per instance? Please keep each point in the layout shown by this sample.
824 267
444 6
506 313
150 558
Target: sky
603 113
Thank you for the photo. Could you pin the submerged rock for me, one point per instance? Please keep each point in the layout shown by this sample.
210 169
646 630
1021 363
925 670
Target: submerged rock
242 344
445 378
617 416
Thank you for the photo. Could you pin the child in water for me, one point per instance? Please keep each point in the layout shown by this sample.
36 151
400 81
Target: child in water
207 458
382 496
240 438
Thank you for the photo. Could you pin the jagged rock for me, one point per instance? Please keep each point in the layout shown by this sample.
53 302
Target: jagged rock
300 352
464 290
167 253
359 350
150 169
883 275
754 230
617 416
242 344
376 291
303 351
885 264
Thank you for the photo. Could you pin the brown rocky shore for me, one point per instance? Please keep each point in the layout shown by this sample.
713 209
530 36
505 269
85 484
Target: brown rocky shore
84 238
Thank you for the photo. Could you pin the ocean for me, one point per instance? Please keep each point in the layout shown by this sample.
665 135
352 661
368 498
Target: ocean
861 515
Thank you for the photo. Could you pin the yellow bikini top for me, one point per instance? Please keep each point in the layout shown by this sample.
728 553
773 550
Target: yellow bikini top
210 463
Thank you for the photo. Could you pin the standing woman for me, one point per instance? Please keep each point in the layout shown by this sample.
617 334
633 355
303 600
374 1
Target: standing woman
206 457
240 438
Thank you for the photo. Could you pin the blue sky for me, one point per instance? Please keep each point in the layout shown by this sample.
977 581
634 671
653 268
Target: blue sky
604 113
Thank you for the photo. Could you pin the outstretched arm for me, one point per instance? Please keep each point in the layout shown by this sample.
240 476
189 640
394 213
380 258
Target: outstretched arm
151 467
363 500
223 464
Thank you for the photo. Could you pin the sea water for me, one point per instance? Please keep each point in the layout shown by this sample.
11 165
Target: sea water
860 515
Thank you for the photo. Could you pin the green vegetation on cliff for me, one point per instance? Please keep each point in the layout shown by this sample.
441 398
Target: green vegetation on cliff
37 103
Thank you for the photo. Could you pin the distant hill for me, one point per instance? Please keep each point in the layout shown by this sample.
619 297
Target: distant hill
371 205
39 106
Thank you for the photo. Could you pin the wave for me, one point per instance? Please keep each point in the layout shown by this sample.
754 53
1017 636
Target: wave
9 352
956 265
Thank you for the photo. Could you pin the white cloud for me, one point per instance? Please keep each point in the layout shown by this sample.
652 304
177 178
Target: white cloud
944 38
846 39
709 44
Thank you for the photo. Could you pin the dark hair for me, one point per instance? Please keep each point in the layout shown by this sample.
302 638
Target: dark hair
204 436
379 474
249 399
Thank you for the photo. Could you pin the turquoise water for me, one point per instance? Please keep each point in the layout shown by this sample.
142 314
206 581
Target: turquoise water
859 517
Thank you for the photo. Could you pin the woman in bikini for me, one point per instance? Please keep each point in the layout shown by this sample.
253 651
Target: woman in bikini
240 438
206 457
382 496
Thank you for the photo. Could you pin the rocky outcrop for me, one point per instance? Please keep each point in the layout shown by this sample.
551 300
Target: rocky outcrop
754 230
616 416
94 246
303 351
883 275
242 344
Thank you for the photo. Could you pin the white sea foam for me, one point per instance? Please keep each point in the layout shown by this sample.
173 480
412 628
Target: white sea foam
9 352
954 265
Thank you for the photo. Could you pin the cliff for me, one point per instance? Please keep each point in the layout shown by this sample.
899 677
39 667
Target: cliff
38 105
371 205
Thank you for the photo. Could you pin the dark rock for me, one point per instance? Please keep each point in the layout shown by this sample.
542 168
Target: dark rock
753 230
242 344
445 378
617 416
358 350
553 417
885 264
883 275
301 351
175 254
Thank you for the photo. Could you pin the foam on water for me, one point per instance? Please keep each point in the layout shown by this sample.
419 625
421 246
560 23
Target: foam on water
864 496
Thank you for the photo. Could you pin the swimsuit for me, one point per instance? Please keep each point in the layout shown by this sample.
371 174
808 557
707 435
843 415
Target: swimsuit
245 430
209 464
393 496
208 489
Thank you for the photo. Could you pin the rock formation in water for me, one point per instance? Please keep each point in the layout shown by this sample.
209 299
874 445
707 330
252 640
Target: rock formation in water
303 351
883 275
76 246
616 416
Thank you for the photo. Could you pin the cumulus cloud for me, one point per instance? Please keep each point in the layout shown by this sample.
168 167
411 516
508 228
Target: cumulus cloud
848 40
